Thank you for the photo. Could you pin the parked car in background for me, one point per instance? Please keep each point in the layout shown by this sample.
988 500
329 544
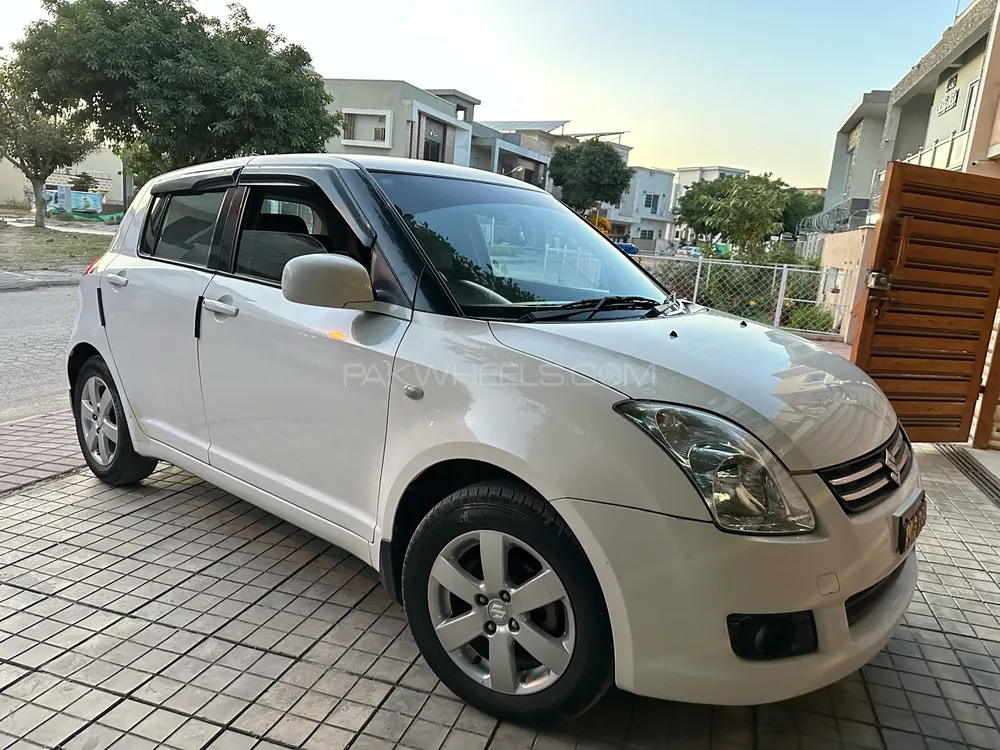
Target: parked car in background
567 477
628 247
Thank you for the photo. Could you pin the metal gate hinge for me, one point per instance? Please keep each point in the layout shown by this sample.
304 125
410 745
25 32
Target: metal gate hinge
879 280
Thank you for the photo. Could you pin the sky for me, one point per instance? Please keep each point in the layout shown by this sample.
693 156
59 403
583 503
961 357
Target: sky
757 84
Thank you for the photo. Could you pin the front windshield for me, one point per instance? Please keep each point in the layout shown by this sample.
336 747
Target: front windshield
504 251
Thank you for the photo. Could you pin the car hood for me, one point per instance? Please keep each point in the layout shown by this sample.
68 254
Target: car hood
813 408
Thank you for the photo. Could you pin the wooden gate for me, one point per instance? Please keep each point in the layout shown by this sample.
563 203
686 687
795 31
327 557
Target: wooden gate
932 289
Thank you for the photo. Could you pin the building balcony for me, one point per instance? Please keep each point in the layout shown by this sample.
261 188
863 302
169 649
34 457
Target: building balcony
948 153
942 154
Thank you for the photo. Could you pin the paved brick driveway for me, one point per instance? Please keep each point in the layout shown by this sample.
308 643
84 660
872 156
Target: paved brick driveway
176 616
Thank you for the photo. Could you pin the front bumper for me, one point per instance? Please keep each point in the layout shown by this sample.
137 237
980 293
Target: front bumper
670 583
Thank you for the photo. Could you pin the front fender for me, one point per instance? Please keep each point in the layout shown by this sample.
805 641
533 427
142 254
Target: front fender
552 428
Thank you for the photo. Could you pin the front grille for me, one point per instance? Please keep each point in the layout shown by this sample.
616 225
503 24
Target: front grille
865 482
859 604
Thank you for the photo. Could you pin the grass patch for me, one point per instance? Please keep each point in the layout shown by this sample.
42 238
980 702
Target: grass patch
31 249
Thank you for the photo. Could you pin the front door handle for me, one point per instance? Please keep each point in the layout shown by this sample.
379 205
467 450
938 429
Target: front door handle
213 305
116 279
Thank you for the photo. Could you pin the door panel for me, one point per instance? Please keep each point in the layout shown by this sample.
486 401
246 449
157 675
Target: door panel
297 398
150 327
924 340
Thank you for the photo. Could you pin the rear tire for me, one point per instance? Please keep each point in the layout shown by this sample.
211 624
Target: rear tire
102 429
477 624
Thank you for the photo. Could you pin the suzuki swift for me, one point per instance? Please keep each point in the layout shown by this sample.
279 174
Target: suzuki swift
568 477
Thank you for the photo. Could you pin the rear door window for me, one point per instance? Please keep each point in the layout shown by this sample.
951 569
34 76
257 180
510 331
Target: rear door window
186 228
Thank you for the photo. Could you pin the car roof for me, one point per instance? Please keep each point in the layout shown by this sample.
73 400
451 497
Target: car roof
366 161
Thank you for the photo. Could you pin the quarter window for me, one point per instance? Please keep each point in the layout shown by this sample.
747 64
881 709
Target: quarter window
187 228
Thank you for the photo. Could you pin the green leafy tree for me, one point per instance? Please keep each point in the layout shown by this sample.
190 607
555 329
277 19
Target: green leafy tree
589 173
35 142
696 206
750 213
799 207
159 79
83 182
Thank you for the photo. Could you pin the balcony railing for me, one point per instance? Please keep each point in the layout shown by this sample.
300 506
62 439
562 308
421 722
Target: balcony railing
942 154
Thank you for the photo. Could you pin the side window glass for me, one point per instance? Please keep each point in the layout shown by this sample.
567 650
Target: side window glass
188 226
283 223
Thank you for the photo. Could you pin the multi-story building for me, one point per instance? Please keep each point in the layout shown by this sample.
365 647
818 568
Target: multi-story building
942 112
396 118
643 215
548 135
685 178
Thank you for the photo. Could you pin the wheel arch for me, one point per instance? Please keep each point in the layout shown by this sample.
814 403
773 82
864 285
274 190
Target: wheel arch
77 358
427 489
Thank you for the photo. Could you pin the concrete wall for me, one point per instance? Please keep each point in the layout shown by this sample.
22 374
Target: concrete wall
849 251
940 127
378 95
912 130
102 163
11 184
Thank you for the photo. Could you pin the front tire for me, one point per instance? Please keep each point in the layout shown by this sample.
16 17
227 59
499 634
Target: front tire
505 607
102 429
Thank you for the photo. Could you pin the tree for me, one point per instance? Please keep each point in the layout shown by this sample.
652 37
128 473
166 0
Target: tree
750 213
799 207
179 86
36 143
84 182
588 173
697 205
602 223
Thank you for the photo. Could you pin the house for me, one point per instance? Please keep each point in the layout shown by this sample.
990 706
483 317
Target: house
938 114
857 145
548 135
943 113
102 164
643 215
395 118
685 178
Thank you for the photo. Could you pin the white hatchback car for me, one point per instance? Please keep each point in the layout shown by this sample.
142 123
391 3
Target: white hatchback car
568 478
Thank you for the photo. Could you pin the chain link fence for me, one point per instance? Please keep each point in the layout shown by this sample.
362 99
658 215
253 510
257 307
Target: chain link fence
799 298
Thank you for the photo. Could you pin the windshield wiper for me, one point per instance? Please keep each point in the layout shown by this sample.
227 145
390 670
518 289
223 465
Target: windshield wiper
595 305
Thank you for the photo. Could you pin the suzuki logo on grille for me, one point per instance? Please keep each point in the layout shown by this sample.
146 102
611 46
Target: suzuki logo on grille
893 467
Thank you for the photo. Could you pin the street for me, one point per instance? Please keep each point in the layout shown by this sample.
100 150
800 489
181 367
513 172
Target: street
34 332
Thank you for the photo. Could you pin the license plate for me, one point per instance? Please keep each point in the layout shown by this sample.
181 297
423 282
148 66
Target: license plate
910 521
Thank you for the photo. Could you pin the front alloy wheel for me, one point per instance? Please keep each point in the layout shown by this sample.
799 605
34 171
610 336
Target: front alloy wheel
505 606
501 612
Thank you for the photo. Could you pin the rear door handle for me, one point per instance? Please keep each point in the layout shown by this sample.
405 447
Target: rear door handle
116 279
213 305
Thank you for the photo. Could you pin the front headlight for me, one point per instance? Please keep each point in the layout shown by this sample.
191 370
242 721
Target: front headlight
745 487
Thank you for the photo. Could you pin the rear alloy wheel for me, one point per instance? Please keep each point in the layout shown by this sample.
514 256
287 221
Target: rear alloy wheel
102 429
505 607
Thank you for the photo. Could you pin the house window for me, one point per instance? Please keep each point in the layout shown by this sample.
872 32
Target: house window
645 234
970 105
652 202
371 128
677 234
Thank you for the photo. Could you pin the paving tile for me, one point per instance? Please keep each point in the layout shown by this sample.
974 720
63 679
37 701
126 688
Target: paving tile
227 628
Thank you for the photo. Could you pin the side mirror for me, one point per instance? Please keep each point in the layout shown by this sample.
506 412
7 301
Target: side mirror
326 280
